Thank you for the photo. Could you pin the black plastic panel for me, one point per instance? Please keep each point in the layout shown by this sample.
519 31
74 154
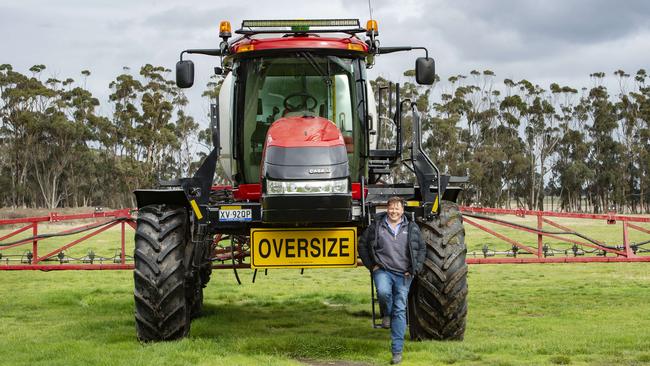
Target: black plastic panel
304 209
312 172
175 197
306 156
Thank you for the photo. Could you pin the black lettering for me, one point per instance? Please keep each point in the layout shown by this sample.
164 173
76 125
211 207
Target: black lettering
315 247
289 247
302 246
330 253
342 253
268 248
276 248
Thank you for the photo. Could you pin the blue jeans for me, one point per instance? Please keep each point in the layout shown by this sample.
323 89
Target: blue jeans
392 293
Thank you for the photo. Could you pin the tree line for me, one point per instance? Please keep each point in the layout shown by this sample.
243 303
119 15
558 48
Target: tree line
522 145
528 147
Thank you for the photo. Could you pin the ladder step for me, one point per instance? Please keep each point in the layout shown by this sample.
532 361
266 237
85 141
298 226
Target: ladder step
379 161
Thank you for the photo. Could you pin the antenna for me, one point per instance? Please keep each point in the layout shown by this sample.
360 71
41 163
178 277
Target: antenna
370 9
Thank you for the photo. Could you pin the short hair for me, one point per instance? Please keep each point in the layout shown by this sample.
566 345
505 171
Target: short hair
395 199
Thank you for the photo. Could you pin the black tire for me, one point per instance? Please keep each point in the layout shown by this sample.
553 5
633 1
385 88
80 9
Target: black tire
438 296
205 270
196 301
161 309
200 280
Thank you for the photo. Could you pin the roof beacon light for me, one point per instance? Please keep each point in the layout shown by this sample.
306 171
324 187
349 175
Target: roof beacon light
371 27
225 31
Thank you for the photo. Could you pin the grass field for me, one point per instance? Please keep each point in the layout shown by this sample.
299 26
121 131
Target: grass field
587 314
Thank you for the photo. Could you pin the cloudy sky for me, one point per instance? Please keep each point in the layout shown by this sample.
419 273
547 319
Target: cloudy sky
543 41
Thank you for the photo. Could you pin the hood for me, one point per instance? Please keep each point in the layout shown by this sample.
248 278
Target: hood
304 132
304 148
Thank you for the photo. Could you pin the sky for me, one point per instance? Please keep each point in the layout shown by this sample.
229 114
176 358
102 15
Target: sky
548 41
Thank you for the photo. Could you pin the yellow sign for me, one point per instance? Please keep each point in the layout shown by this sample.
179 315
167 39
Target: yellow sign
302 248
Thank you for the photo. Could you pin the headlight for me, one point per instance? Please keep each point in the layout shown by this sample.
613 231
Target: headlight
274 187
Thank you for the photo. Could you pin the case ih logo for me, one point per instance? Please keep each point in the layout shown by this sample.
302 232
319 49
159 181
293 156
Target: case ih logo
319 171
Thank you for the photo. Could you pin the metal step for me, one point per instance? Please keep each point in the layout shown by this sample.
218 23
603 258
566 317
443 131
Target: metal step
380 170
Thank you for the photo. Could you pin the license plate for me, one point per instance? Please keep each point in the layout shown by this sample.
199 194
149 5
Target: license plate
235 213
303 248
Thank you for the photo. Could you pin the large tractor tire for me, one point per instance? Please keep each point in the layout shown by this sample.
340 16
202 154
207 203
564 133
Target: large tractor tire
438 296
201 277
195 299
161 308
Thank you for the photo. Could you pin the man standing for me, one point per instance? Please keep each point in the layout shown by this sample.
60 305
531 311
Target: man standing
393 250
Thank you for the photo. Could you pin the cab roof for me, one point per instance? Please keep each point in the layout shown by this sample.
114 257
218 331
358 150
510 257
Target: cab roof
308 41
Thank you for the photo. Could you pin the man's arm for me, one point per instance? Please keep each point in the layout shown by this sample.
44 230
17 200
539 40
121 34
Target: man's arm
364 248
422 250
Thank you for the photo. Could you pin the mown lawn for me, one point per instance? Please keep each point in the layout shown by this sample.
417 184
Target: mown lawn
594 314
578 314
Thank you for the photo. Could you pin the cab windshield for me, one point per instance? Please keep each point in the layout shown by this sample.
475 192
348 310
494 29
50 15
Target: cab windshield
302 84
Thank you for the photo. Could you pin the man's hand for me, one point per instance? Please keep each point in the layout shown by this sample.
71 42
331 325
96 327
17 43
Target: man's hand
407 275
376 267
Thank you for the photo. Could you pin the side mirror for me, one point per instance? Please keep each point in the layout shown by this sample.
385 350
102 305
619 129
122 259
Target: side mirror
425 71
184 74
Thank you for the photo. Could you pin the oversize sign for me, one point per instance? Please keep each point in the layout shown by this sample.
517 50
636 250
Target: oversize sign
302 248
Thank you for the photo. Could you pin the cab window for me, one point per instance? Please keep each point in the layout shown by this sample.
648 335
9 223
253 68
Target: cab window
299 85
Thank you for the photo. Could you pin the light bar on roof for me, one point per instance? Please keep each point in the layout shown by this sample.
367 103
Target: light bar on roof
301 23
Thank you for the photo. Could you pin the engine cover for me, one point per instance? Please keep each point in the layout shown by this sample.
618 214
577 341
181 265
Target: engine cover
305 149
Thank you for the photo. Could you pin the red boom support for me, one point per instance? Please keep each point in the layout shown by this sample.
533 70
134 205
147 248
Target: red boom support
626 252
535 253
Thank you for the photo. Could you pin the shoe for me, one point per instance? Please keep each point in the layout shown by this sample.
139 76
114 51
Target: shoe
385 322
397 358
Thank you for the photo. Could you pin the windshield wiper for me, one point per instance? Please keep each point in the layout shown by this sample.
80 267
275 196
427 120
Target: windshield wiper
312 61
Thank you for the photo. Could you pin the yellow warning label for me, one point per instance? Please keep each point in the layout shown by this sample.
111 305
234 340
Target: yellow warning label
434 208
196 209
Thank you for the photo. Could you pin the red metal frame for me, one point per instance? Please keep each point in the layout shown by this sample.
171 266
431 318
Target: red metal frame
121 217
536 254
226 258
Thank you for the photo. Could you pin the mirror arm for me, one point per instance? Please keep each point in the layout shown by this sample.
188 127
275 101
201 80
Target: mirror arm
207 52
383 50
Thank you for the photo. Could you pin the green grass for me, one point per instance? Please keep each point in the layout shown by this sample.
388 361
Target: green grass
590 314
576 314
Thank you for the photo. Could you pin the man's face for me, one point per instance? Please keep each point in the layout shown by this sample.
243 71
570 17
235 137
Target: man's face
395 211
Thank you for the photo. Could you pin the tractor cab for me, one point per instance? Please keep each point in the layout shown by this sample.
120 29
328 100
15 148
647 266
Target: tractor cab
295 128
300 90
298 109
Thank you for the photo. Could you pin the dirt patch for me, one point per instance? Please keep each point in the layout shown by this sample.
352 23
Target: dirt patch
332 363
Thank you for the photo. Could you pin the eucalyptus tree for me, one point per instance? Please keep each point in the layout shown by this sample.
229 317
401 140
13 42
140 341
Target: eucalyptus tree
606 190
641 146
571 173
25 103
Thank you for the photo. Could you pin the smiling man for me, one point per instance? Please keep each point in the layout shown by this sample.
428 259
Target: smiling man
393 250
